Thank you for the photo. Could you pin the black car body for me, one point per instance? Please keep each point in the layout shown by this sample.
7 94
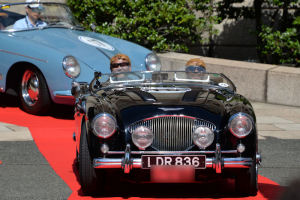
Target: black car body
165 127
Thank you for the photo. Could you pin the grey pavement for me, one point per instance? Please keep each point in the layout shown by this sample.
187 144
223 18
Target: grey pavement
279 139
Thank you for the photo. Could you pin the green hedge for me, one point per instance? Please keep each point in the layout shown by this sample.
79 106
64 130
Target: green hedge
158 25
280 47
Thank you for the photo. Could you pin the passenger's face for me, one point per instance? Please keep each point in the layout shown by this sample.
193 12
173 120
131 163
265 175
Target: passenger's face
120 66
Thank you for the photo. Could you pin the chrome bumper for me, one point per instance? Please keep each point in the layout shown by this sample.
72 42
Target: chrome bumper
63 97
217 162
137 163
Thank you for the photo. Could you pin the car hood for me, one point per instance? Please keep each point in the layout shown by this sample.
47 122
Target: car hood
88 47
135 104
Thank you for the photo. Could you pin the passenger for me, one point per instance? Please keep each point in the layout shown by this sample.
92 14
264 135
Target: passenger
193 66
2 15
120 63
32 19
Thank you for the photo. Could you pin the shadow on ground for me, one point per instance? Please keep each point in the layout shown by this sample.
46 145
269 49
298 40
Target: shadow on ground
214 189
57 111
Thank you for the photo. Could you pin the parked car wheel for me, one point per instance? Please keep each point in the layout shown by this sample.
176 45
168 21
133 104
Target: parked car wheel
87 174
33 92
246 181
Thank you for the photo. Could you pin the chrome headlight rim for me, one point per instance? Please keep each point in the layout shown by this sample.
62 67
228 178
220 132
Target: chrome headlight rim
237 115
94 127
71 66
210 135
149 143
152 62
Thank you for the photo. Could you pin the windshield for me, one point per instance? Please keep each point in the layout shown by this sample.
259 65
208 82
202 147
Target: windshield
22 16
166 79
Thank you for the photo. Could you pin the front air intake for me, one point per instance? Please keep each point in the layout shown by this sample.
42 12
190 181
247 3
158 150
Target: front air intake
172 132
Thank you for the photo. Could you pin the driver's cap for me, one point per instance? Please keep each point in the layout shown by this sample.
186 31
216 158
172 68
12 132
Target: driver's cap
32 3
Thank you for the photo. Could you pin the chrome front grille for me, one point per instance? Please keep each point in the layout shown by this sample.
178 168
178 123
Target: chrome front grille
172 132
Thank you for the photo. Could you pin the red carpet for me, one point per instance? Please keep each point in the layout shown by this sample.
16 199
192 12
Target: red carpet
53 137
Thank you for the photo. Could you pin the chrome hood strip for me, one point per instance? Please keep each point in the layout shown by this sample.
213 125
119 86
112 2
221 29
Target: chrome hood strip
17 54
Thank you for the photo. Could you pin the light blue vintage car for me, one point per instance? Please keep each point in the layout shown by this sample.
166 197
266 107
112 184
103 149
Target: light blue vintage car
38 64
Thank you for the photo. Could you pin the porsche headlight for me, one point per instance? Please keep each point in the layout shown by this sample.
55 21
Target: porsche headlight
203 137
142 137
240 124
104 125
153 62
71 67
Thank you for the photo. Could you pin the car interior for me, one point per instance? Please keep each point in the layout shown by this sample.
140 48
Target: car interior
7 19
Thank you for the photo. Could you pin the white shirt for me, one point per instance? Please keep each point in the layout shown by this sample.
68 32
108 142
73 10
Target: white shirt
25 23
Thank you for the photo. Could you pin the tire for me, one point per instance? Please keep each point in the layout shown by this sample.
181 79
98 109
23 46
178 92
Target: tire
87 174
246 181
33 92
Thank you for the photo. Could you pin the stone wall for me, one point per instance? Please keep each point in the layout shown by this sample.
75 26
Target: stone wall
258 82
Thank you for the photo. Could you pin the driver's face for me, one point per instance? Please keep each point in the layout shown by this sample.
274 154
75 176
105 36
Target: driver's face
33 14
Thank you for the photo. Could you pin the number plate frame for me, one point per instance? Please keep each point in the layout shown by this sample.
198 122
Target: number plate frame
165 160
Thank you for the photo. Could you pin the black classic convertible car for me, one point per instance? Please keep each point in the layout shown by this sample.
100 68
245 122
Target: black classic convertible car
164 127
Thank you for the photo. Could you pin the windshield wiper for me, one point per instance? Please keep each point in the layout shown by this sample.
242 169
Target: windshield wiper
63 25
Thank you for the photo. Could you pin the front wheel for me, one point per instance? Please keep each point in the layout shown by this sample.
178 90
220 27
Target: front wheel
246 181
87 174
33 92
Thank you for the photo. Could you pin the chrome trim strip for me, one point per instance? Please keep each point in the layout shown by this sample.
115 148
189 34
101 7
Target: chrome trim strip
63 93
17 54
194 80
171 152
165 90
137 163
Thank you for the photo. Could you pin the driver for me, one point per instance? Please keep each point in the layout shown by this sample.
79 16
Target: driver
120 63
32 19
193 67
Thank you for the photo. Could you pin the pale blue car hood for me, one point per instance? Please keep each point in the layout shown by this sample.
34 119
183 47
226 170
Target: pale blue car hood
95 50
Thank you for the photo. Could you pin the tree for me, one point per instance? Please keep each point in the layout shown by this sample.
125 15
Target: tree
169 25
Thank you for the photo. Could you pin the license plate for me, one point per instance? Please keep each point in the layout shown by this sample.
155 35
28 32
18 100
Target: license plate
197 161
172 174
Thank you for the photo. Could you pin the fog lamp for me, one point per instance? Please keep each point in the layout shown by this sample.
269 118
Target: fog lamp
142 137
203 137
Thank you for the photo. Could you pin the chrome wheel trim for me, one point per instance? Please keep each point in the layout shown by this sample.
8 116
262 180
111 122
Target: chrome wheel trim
30 87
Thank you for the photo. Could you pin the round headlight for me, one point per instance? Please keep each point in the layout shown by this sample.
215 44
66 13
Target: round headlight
142 137
240 125
153 62
203 137
71 67
104 125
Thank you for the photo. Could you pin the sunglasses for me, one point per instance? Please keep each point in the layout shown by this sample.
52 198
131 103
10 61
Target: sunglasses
194 69
116 65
